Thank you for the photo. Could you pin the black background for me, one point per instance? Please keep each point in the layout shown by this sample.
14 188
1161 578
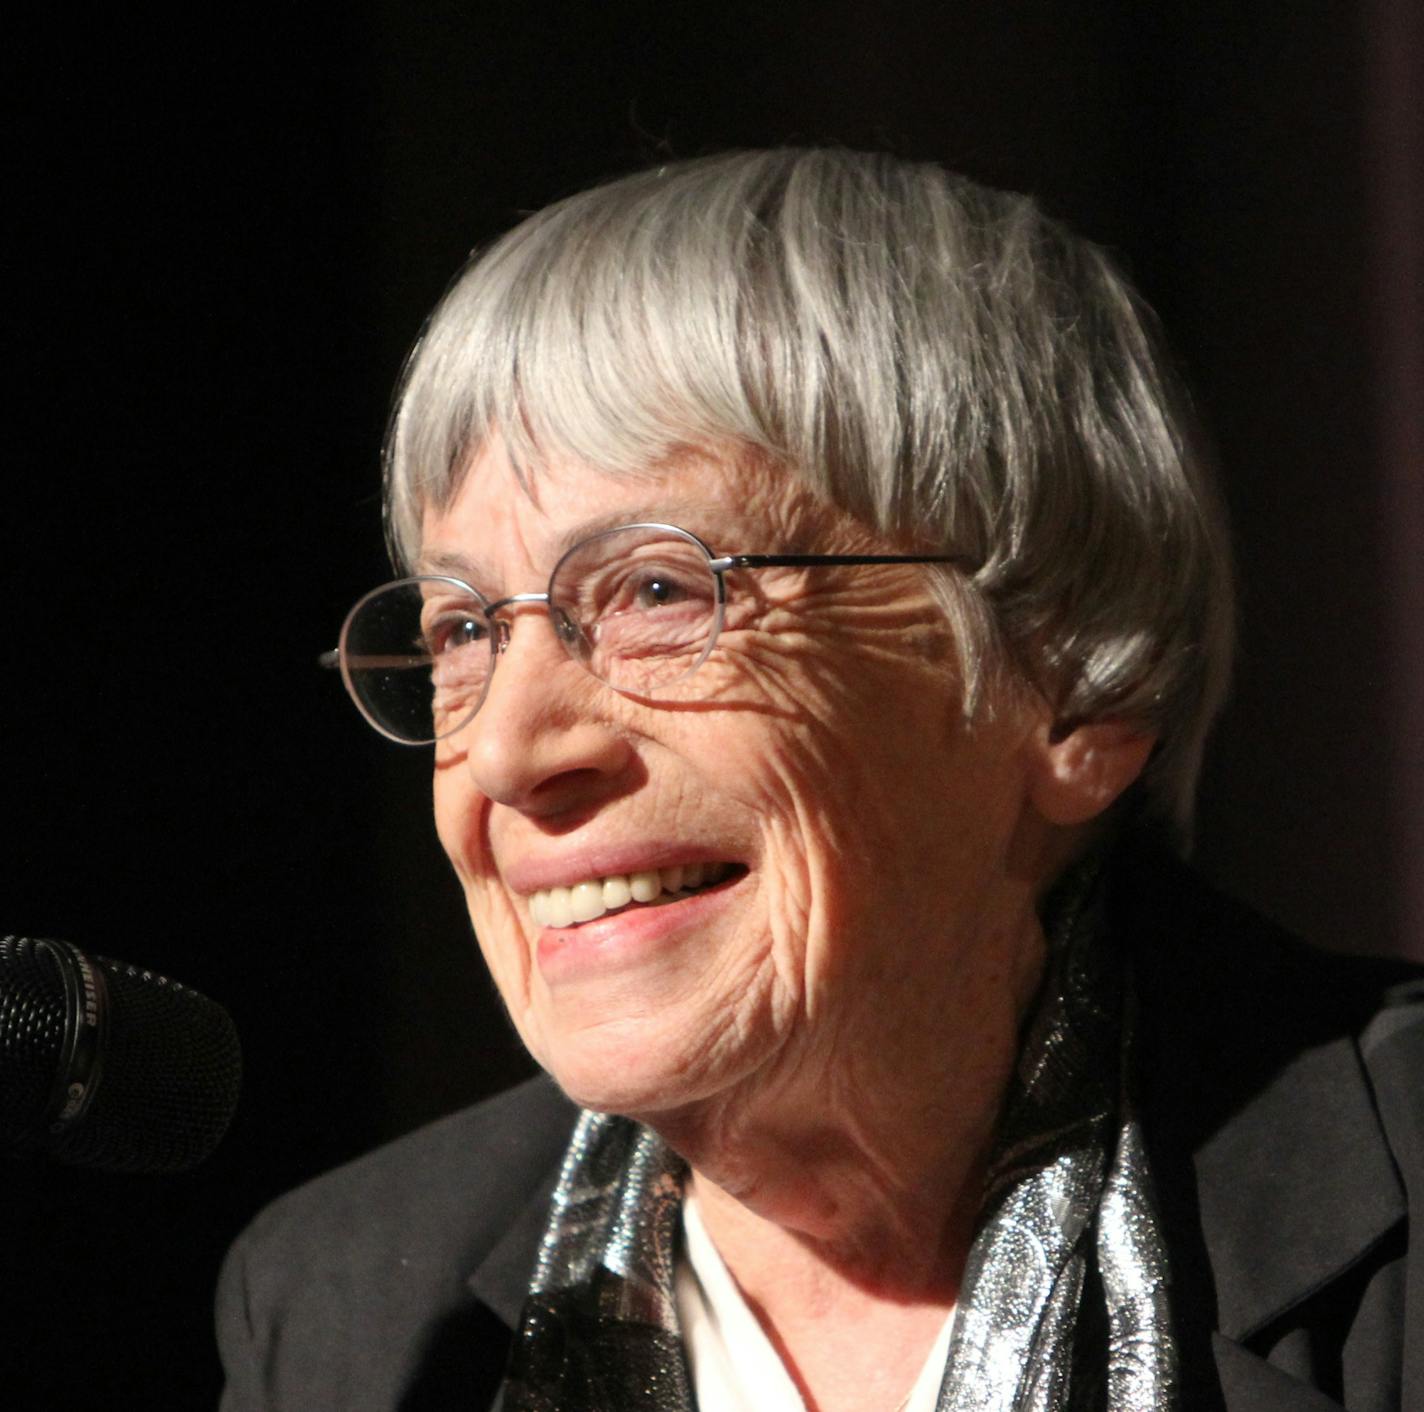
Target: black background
226 227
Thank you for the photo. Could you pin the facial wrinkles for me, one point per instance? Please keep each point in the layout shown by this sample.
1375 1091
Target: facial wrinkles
766 669
768 665
932 908
810 839
734 1032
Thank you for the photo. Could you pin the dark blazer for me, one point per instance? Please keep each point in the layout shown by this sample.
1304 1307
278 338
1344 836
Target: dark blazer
1282 1093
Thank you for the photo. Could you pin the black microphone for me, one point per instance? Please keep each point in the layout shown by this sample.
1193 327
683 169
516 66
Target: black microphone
105 1065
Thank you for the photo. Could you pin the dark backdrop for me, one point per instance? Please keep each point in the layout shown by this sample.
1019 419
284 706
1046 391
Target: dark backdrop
227 231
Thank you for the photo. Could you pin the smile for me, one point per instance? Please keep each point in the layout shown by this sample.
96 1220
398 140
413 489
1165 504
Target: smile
582 902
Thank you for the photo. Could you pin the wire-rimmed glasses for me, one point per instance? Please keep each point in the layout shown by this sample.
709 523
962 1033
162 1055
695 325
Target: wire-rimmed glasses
639 607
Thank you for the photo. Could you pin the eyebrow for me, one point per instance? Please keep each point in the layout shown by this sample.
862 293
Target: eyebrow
708 523
450 562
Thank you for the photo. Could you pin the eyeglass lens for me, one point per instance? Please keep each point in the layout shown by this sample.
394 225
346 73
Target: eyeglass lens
637 606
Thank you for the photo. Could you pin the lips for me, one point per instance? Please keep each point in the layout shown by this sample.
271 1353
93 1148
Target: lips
590 898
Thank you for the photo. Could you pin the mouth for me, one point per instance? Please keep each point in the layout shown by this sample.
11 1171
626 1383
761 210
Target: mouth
599 897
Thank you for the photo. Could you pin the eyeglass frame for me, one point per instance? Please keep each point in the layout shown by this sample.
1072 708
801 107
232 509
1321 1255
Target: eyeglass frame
719 565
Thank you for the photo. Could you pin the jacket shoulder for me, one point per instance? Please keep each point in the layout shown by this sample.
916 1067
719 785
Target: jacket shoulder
353 1289
474 1160
1249 1039
1218 965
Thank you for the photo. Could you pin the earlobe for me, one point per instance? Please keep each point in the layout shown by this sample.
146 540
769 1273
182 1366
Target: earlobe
1081 770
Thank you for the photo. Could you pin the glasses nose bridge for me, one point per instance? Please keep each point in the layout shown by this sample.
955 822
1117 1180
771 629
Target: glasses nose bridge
500 626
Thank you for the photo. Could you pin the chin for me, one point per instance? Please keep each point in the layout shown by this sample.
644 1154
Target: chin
610 1078
620 1067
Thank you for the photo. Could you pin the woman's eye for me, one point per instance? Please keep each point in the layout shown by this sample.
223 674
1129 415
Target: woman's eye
450 633
652 586
658 591
647 584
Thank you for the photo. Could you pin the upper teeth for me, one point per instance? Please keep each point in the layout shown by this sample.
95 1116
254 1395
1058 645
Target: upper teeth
563 906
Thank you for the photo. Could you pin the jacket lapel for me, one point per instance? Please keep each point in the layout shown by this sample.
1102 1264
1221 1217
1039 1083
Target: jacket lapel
1317 1179
1316 1176
1251 1384
501 1280
1393 1050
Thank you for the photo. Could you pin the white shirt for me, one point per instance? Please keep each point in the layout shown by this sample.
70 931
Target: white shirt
734 1366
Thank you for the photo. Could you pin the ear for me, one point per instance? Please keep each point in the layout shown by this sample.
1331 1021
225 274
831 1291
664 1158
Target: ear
1081 770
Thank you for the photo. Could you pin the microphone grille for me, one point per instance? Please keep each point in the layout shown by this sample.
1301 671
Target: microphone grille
172 1072
31 1030
169 1072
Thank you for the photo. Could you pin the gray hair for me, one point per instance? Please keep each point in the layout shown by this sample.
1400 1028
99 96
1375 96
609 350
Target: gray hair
940 360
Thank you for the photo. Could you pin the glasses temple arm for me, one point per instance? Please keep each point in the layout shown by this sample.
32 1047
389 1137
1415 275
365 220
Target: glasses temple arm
331 659
773 561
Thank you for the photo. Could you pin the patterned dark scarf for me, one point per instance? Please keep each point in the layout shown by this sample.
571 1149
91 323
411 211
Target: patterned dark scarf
1063 1306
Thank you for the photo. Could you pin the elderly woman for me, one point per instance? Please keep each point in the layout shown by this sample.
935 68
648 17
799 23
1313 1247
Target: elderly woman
816 605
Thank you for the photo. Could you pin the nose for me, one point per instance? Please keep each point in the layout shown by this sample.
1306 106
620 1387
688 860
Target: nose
542 741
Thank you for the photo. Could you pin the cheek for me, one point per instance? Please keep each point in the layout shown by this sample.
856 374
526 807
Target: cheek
460 822
781 750
461 815
807 733
445 800
874 797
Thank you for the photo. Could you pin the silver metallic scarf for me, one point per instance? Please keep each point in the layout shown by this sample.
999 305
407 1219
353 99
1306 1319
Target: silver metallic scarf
1063 1306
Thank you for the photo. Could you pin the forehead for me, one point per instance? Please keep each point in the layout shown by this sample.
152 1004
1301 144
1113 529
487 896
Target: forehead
502 522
